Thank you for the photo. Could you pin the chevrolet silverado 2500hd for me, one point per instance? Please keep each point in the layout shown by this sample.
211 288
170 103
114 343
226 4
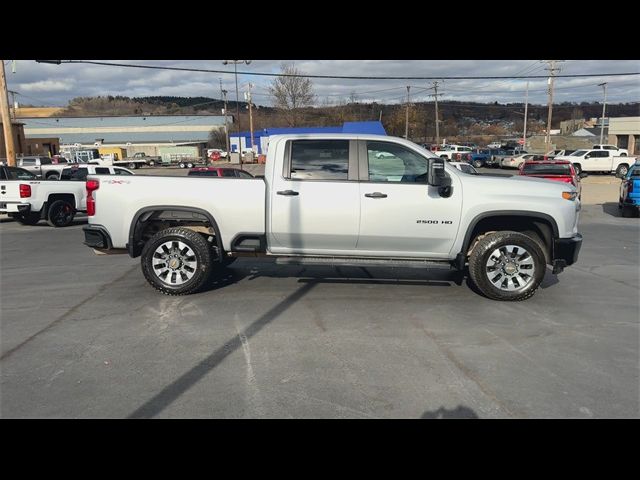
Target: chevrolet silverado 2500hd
344 200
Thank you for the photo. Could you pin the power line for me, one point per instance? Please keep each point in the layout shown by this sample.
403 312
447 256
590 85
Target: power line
347 77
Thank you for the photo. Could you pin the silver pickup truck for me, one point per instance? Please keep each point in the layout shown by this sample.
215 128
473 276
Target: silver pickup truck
344 200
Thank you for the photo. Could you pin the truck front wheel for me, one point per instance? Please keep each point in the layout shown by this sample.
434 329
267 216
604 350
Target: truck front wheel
177 261
507 266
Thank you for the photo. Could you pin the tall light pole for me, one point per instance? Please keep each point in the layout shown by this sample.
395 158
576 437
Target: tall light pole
526 104
604 106
226 127
247 97
552 69
406 123
235 68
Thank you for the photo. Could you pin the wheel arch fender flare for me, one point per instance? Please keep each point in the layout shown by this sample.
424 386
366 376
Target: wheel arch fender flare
505 213
146 212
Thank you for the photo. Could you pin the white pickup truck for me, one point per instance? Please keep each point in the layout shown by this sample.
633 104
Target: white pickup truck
29 199
41 166
341 199
598 161
450 152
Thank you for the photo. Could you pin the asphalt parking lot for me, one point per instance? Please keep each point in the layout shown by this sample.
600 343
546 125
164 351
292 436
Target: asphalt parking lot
84 336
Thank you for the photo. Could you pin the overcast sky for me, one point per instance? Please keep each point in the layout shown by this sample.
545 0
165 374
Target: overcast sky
55 85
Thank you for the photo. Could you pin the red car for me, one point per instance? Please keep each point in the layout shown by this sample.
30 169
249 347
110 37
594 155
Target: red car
560 171
218 172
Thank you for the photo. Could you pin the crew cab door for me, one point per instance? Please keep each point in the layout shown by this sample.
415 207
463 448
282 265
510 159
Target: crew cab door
314 199
400 214
599 160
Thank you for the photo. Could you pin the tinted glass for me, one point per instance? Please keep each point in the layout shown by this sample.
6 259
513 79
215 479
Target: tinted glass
229 173
244 174
122 172
102 171
74 174
468 169
547 169
390 162
634 172
15 173
203 173
29 162
45 161
320 159
578 153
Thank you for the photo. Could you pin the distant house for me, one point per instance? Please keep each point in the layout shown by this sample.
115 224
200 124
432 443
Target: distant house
591 132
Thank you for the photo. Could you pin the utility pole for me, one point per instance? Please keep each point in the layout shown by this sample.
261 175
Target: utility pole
604 106
552 70
526 104
226 126
12 105
220 78
435 94
247 97
406 123
6 119
235 68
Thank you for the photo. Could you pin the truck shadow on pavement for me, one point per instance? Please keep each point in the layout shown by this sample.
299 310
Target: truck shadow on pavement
611 208
455 413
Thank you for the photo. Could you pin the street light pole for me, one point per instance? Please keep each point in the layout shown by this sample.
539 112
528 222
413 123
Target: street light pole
604 106
235 68
226 126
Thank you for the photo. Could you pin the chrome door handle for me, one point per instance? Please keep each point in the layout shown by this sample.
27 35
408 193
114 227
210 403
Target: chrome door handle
375 195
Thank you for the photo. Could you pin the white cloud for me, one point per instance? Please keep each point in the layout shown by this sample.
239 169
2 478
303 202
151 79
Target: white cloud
48 86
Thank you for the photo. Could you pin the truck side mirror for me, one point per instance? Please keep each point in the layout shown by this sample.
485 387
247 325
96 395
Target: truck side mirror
438 177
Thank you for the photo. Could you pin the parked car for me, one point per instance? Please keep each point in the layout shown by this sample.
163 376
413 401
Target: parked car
29 199
516 160
41 166
556 170
620 152
629 201
465 167
317 206
555 153
81 172
598 161
219 172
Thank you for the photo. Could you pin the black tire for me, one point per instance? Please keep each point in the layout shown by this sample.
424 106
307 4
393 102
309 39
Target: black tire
189 165
477 163
28 219
53 176
578 168
60 214
201 253
481 254
152 163
622 169
131 165
182 165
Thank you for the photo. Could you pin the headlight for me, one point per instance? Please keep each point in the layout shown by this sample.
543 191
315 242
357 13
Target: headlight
569 195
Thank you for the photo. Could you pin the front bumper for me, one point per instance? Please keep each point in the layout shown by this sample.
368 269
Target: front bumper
96 236
565 252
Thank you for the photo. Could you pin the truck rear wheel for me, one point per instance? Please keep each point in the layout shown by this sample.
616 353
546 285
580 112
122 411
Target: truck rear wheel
131 165
60 214
177 261
507 266
477 163
622 170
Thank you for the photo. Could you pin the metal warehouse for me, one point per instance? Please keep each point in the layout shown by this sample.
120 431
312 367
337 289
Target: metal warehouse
146 134
261 137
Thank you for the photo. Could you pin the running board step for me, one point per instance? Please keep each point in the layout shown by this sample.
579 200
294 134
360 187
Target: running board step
362 262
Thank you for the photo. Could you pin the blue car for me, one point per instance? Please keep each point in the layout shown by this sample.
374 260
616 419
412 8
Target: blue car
629 201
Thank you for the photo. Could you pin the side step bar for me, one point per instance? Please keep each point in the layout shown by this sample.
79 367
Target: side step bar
363 262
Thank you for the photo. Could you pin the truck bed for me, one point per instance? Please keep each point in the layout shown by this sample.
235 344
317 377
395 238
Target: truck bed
237 205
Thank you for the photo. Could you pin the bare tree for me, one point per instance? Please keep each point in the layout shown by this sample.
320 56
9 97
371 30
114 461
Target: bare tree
217 138
291 93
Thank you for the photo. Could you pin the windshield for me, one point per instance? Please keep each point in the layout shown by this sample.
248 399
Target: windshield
578 153
547 169
634 172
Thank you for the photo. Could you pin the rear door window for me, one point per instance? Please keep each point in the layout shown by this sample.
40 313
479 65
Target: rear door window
102 171
319 160
15 173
